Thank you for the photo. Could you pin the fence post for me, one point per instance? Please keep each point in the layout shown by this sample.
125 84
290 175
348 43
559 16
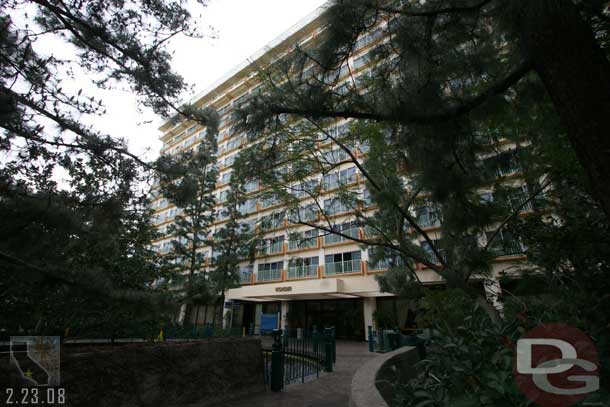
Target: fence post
277 368
328 347
334 336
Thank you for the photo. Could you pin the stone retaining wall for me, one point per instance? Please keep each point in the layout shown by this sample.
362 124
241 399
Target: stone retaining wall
166 374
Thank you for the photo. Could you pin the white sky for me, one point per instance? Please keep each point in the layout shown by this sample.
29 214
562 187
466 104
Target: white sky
242 27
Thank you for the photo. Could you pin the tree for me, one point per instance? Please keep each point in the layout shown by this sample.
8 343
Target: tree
78 261
188 182
448 61
75 244
232 243
405 195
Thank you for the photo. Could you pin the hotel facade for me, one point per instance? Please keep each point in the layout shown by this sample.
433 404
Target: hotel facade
305 277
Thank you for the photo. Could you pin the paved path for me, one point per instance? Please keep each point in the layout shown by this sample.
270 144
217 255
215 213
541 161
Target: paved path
330 390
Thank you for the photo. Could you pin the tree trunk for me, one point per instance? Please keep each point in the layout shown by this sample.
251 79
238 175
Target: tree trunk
576 74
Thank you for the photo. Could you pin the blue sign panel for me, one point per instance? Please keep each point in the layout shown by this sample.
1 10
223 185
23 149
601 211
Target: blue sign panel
269 322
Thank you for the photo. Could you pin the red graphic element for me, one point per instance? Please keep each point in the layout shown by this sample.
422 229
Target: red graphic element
585 350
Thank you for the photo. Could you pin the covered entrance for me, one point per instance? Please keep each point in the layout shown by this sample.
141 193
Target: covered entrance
346 315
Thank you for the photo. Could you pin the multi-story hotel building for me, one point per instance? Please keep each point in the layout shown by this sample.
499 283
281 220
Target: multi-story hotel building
320 280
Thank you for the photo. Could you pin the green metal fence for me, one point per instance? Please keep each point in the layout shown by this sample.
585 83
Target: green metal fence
298 359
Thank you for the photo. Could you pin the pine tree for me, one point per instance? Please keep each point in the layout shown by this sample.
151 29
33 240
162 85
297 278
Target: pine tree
76 253
421 156
232 244
188 182
451 61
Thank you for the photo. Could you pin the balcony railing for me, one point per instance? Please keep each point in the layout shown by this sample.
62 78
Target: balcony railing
300 243
428 220
381 265
335 238
303 271
245 277
269 275
507 248
344 267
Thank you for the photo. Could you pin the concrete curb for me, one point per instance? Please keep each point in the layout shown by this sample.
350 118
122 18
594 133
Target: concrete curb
364 391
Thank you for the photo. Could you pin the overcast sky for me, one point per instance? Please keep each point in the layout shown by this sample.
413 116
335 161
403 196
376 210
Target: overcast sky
242 27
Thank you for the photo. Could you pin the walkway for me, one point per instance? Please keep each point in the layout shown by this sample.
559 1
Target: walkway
330 390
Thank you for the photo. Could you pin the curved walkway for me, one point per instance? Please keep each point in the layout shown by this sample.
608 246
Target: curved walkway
330 390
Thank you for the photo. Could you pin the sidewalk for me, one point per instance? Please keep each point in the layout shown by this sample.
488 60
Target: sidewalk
330 390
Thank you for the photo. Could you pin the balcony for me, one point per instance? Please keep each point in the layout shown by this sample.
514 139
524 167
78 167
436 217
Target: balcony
269 275
297 272
245 276
344 267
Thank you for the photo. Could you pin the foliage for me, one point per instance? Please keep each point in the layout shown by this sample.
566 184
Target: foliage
188 182
470 359
77 259
429 133
232 244
75 238
468 364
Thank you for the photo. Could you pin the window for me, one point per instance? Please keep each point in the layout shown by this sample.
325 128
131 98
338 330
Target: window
272 245
233 143
245 274
222 148
367 38
251 185
162 203
305 188
366 198
303 268
166 247
223 196
230 160
382 264
505 244
343 177
270 271
364 146
272 221
248 206
305 214
226 177
334 206
347 228
223 214
517 198
361 61
342 263
269 201
430 253
427 216
505 163
486 197
248 225
335 156
303 240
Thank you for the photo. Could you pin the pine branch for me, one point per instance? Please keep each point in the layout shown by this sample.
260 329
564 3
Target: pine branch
464 107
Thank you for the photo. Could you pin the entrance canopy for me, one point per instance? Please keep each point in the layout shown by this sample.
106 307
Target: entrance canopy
316 289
